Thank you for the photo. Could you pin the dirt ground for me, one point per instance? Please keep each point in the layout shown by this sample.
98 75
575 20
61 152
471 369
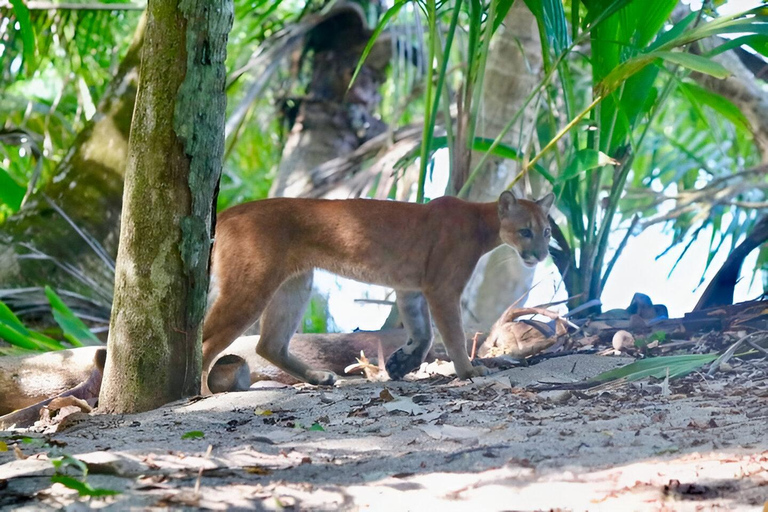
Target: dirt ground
429 444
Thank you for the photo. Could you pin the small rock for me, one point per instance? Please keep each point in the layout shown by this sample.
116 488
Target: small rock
623 340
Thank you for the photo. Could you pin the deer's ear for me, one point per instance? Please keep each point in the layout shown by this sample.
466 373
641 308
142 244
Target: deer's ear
507 201
546 202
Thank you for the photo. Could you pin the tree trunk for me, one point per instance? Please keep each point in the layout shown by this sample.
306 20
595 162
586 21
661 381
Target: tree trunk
174 163
88 187
333 121
500 277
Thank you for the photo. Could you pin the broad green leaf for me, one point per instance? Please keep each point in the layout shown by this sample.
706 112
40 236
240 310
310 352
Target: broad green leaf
17 339
11 321
7 317
621 73
657 367
388 16
674 32
719 104
11 193
317 427
632 66
585 160
82 488
75 331
757 42
694 63
550 16
45 341
27 33
193 434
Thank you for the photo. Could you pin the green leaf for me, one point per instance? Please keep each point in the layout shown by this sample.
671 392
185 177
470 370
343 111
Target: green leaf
550 16
17 339
504 151
657 367
674 32
719 104
388 16
632 66
317 427
193 434
27 33
83 488
75 331
757 42
695 63
585 160
11 193
24 338
45 341
501 12
7 317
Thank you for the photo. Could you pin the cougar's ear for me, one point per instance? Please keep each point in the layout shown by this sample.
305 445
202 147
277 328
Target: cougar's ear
507 200
546 202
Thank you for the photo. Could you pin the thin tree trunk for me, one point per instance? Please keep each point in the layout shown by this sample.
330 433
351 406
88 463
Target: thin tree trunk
500 277
174 163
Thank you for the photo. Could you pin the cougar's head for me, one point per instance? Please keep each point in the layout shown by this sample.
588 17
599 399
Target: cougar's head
525 227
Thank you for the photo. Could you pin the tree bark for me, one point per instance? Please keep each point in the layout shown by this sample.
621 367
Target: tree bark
500 277
333 121
174 163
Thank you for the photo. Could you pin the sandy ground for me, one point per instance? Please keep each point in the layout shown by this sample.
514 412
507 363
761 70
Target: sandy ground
434 444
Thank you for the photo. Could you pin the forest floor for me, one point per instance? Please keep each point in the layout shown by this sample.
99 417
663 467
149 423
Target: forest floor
428 444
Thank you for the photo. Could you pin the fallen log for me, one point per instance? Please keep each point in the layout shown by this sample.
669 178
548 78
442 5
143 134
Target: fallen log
25 380
30 380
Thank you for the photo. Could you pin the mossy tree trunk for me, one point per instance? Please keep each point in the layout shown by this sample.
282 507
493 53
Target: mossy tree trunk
174 163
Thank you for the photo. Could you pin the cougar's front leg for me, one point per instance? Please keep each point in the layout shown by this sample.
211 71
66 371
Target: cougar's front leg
415 316
446 310
279 322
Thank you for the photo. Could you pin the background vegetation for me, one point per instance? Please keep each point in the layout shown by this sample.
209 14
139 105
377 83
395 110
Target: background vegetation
628 129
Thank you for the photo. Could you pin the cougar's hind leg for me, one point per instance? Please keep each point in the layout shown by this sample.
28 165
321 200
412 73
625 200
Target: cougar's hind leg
229 315
278 325
415 316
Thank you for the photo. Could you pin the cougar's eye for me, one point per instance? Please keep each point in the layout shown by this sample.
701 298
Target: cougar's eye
547 232
526 233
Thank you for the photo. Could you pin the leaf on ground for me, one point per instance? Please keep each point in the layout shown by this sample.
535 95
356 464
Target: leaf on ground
257 470
82 488
316 427
404 404
65 401
658 367
3 446
193 434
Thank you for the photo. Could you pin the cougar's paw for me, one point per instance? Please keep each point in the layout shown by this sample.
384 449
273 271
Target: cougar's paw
400 364
321 378
477 370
